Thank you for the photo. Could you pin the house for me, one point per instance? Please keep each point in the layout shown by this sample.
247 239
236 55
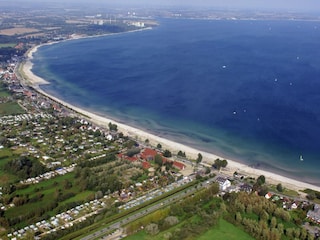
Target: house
223 183
109 137
179 165
148 154
146 165
314 215
246 188
268 195
294 205
125 157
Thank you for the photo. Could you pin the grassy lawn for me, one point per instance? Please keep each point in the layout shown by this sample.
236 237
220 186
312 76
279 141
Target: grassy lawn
3 93
225 230
10 108
286 191
139 236
48 188
82 196
5 177
3 90
5 45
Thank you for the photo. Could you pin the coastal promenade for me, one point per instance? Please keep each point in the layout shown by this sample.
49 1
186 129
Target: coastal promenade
209 158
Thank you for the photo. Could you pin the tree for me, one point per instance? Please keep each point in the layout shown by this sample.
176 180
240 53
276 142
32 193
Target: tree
311 196
167 153
170 221
152 229
67 184
218 164
158 159
279 187
261 180
199 159
113 127
273 222
98 195
159 146
224 163
132 151
181 154
238 217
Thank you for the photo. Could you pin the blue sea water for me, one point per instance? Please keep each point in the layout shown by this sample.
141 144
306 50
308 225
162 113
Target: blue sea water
247 90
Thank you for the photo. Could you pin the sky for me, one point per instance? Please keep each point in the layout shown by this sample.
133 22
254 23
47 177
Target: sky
282 5
303 5
287 5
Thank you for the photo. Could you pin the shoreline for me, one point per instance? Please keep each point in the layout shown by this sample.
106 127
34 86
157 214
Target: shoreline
208 158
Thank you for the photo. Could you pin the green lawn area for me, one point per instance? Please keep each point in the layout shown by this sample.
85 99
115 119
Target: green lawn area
139 236
286 191
225 230
48 188
5 45
5 156
3 91
10 108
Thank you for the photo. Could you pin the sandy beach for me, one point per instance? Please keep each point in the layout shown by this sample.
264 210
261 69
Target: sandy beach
208 158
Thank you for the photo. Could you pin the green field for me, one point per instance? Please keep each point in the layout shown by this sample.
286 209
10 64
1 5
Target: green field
48 189
3 91
10 108
5 45
224 230
5 156
142 235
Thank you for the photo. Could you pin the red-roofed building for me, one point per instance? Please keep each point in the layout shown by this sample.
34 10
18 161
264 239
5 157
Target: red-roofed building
179 165
19 46
148 154
268 195
28 93
146 165
56 107
125 157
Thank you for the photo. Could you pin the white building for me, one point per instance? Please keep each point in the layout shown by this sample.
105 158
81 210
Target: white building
224 183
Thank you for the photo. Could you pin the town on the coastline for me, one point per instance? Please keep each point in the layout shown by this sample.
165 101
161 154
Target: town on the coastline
62 176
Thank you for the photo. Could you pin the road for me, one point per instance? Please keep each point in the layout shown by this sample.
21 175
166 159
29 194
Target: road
140 213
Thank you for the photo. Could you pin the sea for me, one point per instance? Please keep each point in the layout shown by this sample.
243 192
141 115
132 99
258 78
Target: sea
246 90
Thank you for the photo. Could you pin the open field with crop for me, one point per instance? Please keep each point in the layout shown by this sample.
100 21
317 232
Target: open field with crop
18 31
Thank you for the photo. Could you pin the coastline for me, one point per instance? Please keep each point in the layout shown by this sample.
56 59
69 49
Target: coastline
208 158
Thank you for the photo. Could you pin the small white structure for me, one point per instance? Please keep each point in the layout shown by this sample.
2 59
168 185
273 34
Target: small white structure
224 183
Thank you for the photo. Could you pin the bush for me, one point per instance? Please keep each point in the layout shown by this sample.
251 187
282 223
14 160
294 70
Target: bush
152 229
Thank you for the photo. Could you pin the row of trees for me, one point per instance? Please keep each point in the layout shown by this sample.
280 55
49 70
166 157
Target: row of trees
262 218
25 167
218 164
164 219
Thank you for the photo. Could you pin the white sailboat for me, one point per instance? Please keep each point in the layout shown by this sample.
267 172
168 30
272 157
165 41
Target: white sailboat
301 158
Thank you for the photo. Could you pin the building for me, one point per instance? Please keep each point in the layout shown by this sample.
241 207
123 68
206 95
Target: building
148 154
223 183
246 188
179 165
314 215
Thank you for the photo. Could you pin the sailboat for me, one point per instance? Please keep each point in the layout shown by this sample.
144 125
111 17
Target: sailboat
301 158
